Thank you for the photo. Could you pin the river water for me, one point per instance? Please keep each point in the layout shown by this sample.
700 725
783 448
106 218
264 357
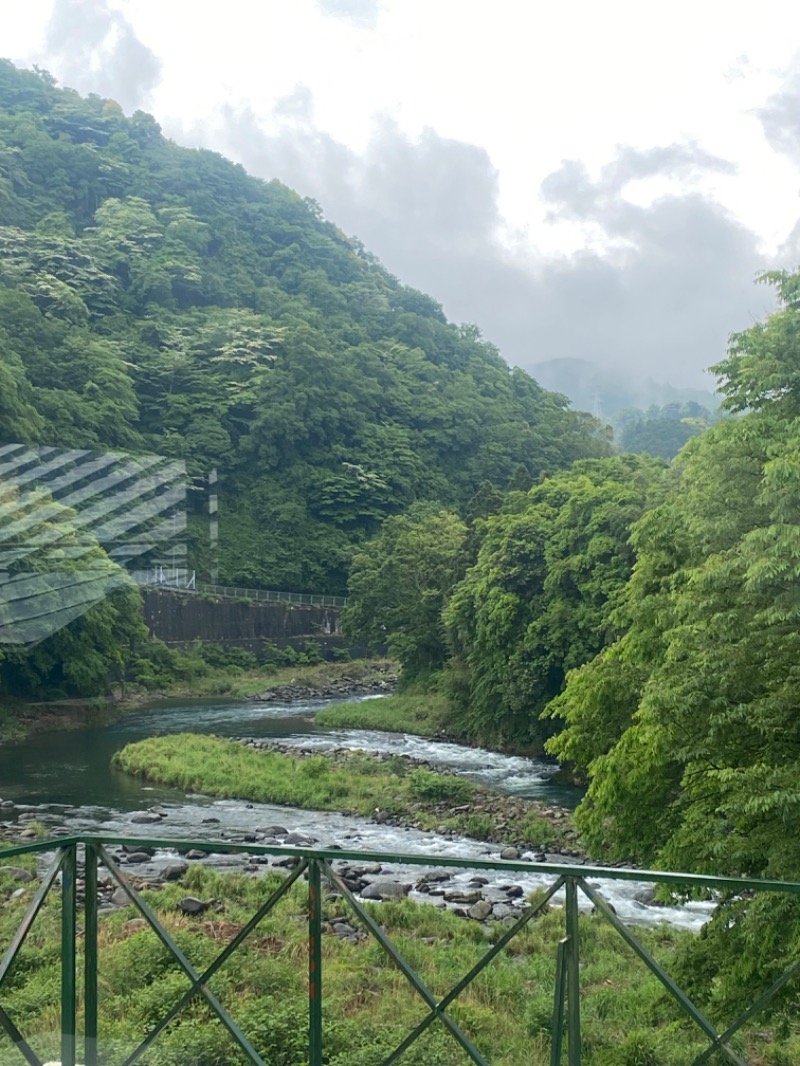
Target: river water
66 780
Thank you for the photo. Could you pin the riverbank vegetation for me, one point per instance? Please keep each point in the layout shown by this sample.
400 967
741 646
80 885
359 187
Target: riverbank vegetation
627 1019
355 783
425 714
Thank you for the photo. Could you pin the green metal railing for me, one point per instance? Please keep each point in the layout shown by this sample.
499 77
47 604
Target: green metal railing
317 866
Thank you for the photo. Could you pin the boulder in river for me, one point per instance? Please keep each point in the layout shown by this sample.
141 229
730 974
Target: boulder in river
135 858
480 911
385 890
300 840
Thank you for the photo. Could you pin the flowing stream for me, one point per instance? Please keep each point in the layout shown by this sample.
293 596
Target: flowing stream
66 780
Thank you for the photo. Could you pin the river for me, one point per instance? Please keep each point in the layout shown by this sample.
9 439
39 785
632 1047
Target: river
66 779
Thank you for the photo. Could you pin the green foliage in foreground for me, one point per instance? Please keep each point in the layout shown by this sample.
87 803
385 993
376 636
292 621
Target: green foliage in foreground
423 714
227 768
368 1006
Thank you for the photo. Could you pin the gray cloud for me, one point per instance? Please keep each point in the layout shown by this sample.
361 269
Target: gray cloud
780 116
91 47
360 12
659 306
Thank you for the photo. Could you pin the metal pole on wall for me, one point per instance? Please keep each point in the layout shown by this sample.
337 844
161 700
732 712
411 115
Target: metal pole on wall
213 525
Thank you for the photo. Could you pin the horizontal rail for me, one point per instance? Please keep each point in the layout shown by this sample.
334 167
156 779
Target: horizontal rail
185 581
80 943
711 882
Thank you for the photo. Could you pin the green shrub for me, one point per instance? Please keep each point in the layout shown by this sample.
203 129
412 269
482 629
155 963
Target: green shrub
439 788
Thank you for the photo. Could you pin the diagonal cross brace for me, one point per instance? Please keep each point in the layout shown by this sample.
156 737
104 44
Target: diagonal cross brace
467 979
216 965
678 994
455 1030
181 959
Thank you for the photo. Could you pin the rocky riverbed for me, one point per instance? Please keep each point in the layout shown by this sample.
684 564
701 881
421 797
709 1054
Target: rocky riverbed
470 895
378 680
500 816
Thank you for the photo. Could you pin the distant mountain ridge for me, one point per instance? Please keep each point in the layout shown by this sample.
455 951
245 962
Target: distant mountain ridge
603 392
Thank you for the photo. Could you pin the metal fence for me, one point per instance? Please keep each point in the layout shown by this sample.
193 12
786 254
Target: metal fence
318 867
186 581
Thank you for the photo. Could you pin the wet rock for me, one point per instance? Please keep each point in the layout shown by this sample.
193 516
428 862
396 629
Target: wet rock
129 849
273 831
146 818
385 890
195 853
300 840
480 911
174 871
646 895
510 853
16 873
457 895
434 876
192 905
137 857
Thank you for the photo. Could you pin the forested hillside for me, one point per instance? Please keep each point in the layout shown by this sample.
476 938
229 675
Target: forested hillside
155 298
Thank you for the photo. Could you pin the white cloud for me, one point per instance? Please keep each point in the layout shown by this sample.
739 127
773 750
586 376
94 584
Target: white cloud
437 131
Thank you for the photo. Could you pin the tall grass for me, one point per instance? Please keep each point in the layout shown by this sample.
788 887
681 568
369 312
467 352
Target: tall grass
229 769
425 715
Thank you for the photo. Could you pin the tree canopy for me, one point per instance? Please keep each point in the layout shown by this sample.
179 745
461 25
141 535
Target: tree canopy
696 765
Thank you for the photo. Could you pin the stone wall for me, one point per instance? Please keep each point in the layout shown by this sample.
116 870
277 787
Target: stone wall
181 617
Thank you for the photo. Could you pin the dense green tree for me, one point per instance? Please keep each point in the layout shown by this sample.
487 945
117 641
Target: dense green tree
70 618
698 771
661 431
399 584
539 600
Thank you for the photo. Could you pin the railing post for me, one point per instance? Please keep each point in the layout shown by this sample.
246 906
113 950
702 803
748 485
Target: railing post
558 1003
314 964
68 931
573 975
90 957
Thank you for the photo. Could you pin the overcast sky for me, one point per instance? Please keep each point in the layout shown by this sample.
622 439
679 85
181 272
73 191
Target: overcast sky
598 181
